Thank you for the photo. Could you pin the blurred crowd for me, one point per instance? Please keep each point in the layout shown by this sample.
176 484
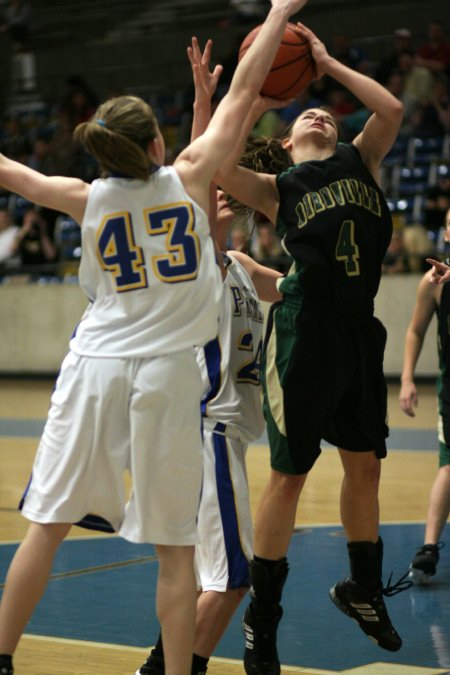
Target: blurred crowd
46 245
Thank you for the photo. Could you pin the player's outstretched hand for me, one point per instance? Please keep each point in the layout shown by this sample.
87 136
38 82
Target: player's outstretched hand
440 273
205 80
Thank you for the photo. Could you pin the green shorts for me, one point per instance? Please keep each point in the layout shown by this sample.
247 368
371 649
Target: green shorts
444 421
322 379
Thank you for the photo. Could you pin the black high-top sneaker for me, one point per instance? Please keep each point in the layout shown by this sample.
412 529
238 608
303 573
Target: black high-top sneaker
368 609
262 617
6 666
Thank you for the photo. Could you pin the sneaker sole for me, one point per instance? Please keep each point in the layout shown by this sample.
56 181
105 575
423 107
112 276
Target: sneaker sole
340 605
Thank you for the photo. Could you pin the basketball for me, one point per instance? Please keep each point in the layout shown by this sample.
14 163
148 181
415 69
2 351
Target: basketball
293 67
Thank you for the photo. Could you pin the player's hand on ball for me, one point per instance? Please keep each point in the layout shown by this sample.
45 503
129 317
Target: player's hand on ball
318 49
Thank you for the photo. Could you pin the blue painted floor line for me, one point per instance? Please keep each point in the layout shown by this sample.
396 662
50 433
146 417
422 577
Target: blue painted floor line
399 439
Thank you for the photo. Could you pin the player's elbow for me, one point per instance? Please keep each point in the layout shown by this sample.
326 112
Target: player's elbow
395 110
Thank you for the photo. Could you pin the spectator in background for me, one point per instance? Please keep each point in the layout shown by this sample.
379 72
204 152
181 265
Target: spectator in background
267 250
8 235
14 141
434 54
418 245
341 103
396 258
395 83
33 242
39 158
401 42
418 80
432 116
80 102
66 154
347 53
437 203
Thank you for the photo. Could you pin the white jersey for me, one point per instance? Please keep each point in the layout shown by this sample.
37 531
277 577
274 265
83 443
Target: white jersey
230 364
148 266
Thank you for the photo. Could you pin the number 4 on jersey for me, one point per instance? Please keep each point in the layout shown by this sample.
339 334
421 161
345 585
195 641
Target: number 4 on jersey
346 249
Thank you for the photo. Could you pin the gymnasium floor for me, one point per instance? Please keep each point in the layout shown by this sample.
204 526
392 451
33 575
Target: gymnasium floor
98 612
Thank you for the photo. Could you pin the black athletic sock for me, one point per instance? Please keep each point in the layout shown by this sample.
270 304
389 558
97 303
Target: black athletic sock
158 649
267 580
366 559
268 564
199 665
6 663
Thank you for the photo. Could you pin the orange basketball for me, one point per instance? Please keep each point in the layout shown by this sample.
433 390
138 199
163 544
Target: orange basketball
293 68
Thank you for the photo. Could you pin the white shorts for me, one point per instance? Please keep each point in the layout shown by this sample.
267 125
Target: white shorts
110 415
224 520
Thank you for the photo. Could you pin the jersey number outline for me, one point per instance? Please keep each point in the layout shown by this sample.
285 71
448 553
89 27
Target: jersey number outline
249 372
347 250
176 221
119 254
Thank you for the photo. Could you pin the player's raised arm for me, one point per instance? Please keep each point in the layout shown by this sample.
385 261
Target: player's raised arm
256 189
381 129
209 151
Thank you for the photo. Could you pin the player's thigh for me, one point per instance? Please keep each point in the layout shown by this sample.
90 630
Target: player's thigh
84 447
166 449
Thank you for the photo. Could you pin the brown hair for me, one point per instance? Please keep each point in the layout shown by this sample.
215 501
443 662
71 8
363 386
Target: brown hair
118 136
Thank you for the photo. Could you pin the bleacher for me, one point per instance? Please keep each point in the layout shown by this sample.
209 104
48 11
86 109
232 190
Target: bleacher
140 47
414 165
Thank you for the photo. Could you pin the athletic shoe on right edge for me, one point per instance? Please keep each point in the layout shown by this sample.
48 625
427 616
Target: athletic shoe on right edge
261 655
423 566
369 611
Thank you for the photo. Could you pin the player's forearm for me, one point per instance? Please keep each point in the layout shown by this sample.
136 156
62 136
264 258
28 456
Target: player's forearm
238 148
413 347
372 94
201 118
